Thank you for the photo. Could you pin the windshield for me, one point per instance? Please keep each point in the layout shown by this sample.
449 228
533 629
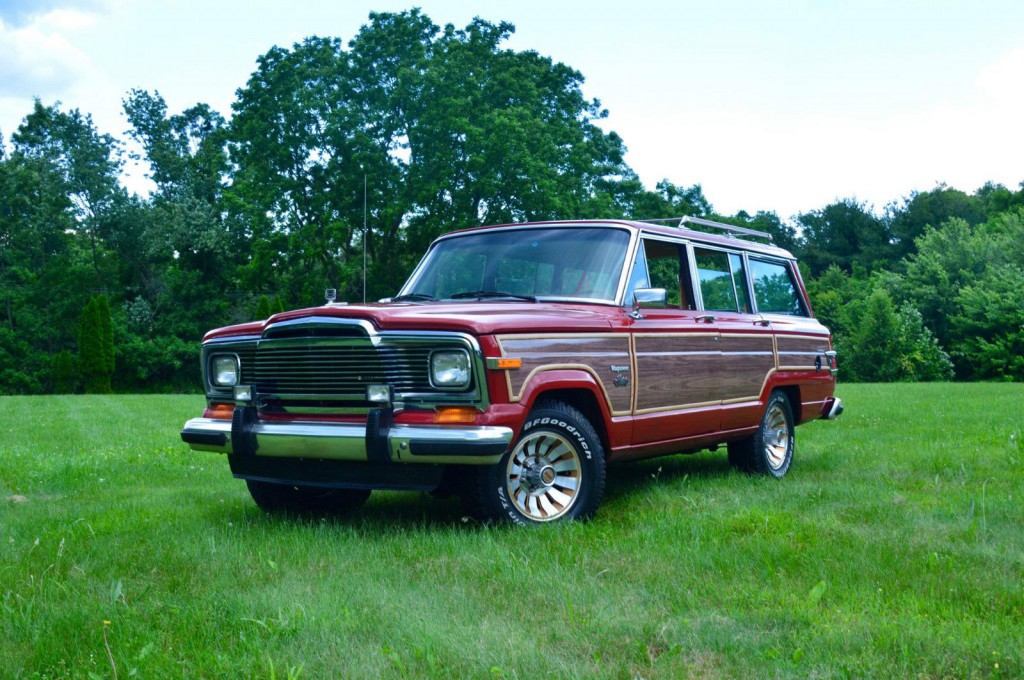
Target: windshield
566 262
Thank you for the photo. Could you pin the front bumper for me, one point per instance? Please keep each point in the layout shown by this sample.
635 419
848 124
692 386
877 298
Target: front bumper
378 441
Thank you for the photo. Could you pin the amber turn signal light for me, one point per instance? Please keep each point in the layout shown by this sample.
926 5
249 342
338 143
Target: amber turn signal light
504 363
455 414
221 411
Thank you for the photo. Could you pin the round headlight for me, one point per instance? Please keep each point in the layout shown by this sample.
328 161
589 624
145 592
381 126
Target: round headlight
449 368
224 370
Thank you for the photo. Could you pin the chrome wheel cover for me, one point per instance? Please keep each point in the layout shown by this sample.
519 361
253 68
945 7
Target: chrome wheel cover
543 476
778 439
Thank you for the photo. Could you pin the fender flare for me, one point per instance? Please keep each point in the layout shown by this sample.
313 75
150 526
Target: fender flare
566 379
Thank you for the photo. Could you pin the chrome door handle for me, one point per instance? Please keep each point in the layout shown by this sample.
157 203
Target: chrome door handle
762 322
706 318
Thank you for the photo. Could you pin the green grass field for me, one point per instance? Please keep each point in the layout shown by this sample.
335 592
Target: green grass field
895 547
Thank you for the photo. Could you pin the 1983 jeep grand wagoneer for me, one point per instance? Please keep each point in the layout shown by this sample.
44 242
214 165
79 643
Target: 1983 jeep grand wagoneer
516 362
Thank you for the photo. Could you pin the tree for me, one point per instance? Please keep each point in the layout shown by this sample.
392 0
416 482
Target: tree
448 128
892 344
847 234
87 161
96 346
187 152
931 209
263 308
989 321
65 373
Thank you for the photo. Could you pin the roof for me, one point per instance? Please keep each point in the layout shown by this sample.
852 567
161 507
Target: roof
646 228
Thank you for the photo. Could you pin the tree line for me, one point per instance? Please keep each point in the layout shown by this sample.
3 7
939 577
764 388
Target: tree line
104 289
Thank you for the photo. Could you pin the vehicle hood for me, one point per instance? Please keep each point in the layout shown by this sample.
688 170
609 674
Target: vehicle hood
468 317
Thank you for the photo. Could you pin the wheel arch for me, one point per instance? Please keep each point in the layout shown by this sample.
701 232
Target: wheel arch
578 389
792 394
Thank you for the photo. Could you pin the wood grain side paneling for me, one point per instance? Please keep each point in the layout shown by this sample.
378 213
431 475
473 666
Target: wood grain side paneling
746 361
595 354
676 370
798 352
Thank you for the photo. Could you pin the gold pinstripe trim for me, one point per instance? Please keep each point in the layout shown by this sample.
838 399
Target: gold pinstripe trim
681 407
635 379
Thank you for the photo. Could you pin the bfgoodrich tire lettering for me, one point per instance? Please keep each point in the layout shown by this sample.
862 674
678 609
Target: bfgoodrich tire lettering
554 472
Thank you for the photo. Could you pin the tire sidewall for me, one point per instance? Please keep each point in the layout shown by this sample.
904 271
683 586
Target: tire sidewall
761 451
591 456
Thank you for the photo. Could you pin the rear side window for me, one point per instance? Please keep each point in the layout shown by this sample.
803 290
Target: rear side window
774 289
723 283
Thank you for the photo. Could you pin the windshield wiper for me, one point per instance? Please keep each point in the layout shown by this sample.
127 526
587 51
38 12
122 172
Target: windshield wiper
481 294
412 297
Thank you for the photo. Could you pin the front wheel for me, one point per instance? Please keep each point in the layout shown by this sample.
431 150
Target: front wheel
769 451
555 471
272 497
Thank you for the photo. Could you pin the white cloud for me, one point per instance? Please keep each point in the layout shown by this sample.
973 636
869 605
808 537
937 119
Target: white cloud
37 59
797 161
40 57
18 12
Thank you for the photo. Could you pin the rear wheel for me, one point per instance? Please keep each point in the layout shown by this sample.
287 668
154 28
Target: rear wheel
555 471
769 451
272 497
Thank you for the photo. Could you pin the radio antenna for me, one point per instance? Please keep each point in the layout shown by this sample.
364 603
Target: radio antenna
364 238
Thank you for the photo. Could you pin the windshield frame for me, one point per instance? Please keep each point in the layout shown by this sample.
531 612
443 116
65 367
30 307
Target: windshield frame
627 258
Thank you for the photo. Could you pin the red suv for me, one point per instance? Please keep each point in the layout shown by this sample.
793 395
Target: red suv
516 362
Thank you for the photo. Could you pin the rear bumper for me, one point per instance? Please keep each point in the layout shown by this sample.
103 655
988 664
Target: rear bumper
832 408
378 441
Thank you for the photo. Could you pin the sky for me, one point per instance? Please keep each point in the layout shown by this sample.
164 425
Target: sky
781 106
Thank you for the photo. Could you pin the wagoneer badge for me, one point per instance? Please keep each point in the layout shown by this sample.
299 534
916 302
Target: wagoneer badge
621 372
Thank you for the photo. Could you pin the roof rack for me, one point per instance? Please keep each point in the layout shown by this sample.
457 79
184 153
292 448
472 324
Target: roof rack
729 229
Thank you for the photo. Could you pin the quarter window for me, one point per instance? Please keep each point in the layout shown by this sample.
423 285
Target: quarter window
717 281
774 289
739 282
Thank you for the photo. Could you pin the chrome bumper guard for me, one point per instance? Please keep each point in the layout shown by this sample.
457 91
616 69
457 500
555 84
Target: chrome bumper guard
835 410
378 441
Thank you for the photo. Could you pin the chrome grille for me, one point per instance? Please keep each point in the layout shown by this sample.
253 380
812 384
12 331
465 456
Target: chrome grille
336 371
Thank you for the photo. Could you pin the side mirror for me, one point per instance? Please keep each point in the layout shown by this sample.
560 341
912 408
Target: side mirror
648 298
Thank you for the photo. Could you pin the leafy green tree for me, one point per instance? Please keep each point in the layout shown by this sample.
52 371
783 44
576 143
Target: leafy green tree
920 356
891 344
187 152
96 346
448 128
88 162
989 322
846 234
65 372
931 209
263 308
947 258
870 355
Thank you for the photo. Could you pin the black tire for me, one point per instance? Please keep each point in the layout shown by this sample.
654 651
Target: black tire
555 435
769 451
272 497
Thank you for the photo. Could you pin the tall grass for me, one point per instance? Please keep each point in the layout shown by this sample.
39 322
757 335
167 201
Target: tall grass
895 547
